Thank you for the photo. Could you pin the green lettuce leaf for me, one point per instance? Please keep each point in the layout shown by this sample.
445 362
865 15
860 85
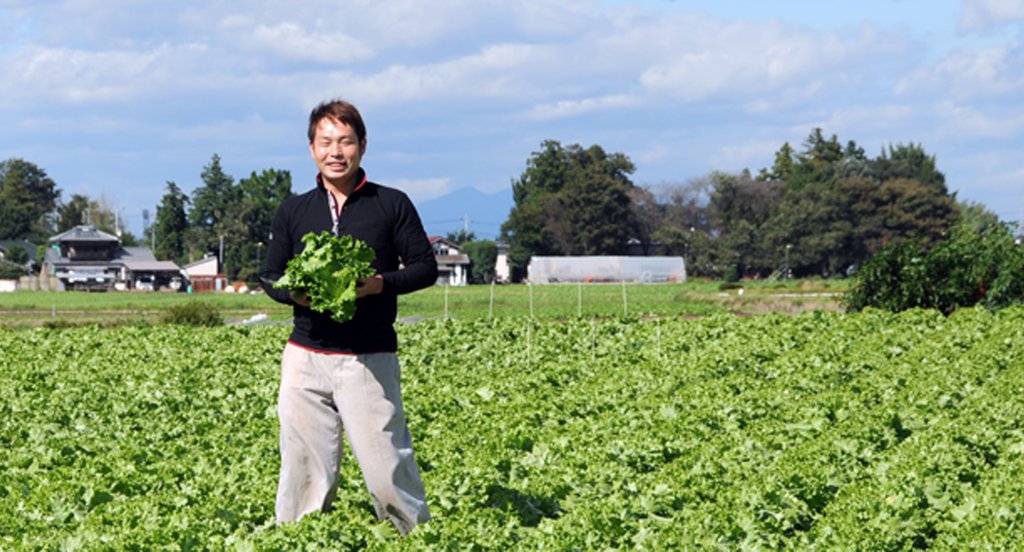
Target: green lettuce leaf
327 270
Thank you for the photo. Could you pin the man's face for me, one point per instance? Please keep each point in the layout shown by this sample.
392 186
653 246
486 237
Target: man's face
337 151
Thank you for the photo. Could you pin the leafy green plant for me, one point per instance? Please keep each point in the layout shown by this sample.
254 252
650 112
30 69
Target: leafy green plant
327 270
193 313
969 267
872 430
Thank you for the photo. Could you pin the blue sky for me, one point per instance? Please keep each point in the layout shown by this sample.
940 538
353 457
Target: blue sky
115 98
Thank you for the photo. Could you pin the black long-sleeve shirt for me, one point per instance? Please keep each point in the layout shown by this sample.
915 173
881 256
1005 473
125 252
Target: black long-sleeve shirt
386 220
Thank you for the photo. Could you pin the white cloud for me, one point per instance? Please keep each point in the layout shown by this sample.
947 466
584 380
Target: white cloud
983 15
712 59
78 76
679 90
494 72
982 72
569 108
422 189
550 61
965 121
292 41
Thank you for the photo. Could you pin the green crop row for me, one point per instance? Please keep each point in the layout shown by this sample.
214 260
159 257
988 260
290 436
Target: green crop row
865 431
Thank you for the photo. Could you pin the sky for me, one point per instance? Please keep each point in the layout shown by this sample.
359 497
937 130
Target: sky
115 98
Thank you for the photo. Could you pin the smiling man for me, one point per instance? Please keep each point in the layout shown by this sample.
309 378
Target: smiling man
344 377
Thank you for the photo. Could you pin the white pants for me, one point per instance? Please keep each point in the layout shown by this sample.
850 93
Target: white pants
320 395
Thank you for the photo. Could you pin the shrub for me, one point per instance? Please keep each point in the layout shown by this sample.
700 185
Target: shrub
970 267
11 271
193 313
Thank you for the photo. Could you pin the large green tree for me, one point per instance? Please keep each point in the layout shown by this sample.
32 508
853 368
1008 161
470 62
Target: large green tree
571 201
741 208
209 216
169 230
28 200
839 207
260 195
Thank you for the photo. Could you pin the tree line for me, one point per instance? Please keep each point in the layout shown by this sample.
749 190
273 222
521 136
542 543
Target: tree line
221 217
822 210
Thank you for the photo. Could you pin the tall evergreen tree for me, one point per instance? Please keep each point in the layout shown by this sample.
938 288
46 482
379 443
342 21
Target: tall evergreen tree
209 215
819 161
783 167
171 225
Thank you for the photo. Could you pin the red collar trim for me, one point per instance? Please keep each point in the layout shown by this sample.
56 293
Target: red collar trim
320 181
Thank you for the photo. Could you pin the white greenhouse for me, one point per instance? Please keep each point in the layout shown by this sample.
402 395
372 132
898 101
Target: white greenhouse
551 270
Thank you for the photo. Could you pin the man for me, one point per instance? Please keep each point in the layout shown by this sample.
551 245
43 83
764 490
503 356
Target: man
345 376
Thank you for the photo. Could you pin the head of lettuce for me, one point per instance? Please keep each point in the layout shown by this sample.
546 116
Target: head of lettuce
328 270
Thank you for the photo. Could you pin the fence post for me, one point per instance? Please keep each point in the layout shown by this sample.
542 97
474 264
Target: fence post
529 286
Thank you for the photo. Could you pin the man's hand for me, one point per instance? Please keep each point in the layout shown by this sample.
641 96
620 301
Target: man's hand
300 298
369 286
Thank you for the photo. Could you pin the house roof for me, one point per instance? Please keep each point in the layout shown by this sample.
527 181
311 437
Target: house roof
145 265
201 262
136 254
446 241
84 233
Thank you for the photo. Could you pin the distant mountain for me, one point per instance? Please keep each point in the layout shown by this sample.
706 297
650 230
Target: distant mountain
486 212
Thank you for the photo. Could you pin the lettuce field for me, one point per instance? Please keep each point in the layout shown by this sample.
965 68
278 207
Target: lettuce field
871 431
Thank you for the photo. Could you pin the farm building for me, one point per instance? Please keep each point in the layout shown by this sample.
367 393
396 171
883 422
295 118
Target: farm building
550 270
452 263
205 275
90 259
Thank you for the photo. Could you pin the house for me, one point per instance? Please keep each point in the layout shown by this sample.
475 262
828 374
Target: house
205 275
452 263
85 258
